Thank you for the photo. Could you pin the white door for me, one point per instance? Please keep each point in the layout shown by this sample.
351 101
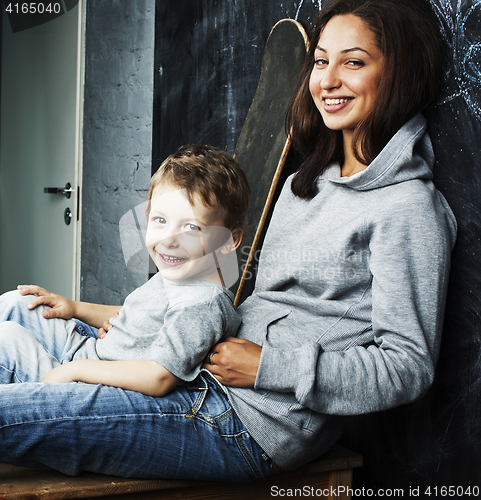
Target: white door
41 91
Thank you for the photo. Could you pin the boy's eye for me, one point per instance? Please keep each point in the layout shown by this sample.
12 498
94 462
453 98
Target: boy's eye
159 220
191 228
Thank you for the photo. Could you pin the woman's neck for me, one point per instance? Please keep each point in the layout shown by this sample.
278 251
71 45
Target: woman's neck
351 164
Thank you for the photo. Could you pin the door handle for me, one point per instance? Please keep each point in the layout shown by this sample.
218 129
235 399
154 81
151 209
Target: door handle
66 191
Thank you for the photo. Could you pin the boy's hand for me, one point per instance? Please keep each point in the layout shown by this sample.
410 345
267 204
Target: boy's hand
106 327
59 375
147 377
101 333
61 307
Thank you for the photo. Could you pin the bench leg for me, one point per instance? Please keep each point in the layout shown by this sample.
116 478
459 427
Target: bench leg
340 482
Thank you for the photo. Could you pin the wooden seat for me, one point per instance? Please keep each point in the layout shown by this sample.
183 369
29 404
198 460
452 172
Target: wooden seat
332 472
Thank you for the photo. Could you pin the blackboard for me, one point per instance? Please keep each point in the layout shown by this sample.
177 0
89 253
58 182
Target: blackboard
208 57
208 62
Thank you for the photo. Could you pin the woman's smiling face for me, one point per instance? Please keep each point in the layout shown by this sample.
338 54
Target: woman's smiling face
346 74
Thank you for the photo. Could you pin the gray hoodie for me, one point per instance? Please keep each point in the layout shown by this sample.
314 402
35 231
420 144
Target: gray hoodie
349 300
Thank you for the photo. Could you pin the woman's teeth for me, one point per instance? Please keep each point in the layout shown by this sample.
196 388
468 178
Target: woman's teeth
332 102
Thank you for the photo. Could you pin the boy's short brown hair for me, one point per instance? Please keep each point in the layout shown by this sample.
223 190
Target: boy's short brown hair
212 174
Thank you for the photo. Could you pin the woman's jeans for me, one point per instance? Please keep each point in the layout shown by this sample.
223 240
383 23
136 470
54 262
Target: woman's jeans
192 433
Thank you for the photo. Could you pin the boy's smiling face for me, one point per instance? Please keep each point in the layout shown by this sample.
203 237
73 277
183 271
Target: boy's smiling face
181 237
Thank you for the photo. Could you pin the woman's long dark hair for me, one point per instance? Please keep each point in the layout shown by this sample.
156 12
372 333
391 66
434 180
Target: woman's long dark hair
407 34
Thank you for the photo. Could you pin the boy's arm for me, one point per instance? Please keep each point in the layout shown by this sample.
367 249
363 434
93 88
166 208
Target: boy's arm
147 377
60 307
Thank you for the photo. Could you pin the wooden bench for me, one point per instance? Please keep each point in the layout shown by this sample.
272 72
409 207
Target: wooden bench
330 473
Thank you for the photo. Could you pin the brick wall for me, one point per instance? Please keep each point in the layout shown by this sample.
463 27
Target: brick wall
117 139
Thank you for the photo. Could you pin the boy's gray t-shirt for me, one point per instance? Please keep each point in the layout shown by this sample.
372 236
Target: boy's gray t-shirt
174 323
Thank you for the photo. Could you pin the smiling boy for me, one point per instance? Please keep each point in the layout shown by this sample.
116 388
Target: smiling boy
196 207
185 237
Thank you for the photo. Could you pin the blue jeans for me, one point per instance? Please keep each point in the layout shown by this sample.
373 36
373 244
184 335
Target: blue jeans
192 433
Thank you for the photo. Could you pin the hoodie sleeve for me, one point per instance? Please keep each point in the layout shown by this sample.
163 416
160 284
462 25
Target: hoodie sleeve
410 240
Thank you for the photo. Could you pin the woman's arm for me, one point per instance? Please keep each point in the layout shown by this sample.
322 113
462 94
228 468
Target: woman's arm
96 315
409 259
147 377
409 269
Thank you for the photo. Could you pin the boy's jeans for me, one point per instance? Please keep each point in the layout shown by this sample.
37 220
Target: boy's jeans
191 433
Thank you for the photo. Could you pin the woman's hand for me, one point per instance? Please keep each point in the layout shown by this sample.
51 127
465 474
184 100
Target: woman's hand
234 362
61 307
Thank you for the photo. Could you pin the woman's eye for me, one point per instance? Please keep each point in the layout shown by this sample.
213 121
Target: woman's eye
320 61
355 63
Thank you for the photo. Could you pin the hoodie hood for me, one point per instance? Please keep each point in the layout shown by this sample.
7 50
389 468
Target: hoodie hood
408 155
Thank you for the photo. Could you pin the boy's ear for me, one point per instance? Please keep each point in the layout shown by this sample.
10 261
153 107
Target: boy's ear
233 242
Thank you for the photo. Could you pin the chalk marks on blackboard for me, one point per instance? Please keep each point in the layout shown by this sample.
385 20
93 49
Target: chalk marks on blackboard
444 12
465 395
318 2
469 49
462 32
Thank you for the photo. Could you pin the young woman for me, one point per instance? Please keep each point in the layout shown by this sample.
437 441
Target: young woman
347 312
